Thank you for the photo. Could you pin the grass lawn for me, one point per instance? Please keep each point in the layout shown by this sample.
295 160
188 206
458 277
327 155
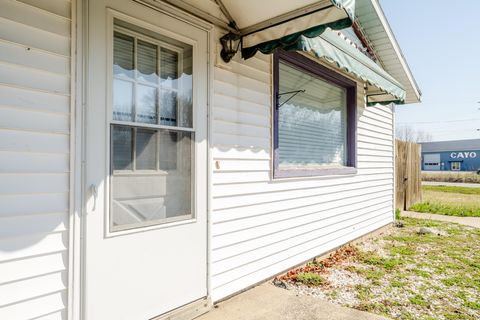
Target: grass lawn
449 200
401 274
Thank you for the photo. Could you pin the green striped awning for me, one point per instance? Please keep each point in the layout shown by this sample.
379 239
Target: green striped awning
339 14
381 87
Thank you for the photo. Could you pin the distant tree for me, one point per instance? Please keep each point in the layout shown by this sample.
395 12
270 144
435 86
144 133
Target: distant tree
410 134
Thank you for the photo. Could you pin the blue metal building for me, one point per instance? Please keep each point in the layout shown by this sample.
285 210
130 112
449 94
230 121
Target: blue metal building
457 155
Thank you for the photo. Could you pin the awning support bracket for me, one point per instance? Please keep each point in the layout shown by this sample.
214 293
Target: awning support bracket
293 94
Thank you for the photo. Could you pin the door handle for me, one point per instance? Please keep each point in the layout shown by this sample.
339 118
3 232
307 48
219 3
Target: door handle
94 191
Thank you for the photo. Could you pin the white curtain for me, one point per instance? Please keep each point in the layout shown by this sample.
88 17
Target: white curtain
311 125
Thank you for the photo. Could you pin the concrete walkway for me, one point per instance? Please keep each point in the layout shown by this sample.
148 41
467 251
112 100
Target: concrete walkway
267 302
451 184
467 221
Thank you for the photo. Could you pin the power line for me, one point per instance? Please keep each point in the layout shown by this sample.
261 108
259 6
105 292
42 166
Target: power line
471 132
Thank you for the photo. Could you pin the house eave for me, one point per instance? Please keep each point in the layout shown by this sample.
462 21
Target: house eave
390 56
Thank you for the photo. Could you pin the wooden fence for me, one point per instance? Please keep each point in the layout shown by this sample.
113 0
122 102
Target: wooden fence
408 174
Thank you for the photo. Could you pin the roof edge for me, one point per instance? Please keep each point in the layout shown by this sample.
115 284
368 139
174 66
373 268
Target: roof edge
383 19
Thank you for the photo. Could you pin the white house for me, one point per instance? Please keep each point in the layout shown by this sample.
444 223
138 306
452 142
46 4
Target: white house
144 174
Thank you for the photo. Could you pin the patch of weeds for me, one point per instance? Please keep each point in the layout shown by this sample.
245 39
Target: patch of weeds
374 260
452 266
468 262
333 294
398 283
389 264
422 273
352 269
454 231
310 279
472 305
315 263
397 214
412 238
412 222
458 315
370 258
476 282
402 251
418 300
372 274
364 293
462 295
453 281
374 307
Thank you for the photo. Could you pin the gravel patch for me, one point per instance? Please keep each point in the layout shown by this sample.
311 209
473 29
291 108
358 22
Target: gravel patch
403 274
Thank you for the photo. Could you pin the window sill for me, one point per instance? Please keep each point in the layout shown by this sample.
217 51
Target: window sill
299 173
120 173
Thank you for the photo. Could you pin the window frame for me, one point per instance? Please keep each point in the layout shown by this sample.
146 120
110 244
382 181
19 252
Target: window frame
136 81
452 163
157 170
111 229
304 64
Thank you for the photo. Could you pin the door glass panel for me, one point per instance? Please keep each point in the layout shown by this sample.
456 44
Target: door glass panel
146 150
142 198
184 108
147 61
139 93
123 48
168 107
122 100
169 65
152 137
168 152
146 104
122 141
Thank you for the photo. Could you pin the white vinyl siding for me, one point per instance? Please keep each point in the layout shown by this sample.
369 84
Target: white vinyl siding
260 226
34 158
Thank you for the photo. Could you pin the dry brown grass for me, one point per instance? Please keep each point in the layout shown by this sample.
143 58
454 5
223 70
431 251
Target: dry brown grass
466 177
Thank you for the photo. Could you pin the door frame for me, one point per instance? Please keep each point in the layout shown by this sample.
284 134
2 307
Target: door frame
80 197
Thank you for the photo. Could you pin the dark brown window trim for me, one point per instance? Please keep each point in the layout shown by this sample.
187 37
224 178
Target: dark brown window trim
305 64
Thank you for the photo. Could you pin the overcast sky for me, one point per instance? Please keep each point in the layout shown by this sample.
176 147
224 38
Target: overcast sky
441 41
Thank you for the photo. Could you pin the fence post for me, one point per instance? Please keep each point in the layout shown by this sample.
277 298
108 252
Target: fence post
408 174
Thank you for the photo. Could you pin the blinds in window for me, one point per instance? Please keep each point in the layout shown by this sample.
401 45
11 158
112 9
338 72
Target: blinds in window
312 124
169 64
147 61
123 54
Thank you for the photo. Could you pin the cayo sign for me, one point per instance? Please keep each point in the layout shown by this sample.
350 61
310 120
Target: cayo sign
463 155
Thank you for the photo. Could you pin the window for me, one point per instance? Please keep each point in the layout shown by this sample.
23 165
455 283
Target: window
314 119
455 165
152 133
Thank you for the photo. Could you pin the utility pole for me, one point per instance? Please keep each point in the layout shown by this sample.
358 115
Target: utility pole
479 110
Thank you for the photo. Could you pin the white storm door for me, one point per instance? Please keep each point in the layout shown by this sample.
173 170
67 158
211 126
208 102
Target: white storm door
145 225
